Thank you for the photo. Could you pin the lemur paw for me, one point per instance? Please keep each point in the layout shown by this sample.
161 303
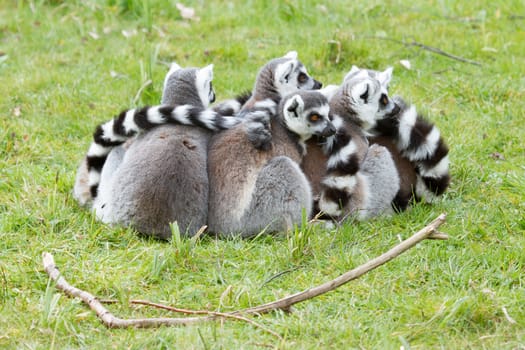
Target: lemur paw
258 130
398 100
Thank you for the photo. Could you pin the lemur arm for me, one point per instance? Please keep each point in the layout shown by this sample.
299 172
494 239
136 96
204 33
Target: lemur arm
421 143
256 121
341 169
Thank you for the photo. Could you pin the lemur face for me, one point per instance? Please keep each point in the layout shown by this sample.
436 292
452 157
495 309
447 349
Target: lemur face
368 97
307 113
291 75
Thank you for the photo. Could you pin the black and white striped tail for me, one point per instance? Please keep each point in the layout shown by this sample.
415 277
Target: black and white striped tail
130 122
420 142
341 173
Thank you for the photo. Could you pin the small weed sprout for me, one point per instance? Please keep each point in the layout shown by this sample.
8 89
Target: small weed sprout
49 302
184 246
299 238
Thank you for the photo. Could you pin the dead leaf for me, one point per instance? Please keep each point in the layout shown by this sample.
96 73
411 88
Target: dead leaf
406 64
322 8
129 33
186 12
94 35
497 156
114 74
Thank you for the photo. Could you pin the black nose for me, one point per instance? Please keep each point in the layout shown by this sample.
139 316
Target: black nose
317 85
395 110
329 130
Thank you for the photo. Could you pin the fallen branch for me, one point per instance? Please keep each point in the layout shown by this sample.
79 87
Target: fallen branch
205 312
110 321
216 314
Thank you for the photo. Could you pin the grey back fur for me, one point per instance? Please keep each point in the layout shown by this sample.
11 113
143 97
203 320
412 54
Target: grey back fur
162 177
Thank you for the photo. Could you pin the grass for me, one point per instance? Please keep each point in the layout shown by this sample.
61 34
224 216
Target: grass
68 65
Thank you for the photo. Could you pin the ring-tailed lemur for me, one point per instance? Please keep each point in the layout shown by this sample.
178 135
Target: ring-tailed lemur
359 180
129 123
161 177
254 190
420 152
276 79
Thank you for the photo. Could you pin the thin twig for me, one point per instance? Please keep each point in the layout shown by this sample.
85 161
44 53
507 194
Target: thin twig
205 312
277 275
428 48
218 315
443 53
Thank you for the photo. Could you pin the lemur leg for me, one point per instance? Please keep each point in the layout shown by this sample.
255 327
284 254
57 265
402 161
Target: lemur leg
81 190
381 181
280 195
100 204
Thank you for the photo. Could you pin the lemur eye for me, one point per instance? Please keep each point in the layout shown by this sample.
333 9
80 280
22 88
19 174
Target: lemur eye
314 117
302 78
384 100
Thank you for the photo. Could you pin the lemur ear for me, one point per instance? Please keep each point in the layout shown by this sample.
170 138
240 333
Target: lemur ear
291 55
203 79
204 76
360 92
352 72
206 73
283 71
173 68
294 107
385 76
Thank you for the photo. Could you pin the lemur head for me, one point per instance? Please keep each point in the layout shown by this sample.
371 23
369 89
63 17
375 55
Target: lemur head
282 76
383 77
188 86
364 94
307 113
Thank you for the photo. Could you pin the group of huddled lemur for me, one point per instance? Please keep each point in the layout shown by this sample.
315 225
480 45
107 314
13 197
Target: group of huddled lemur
258 162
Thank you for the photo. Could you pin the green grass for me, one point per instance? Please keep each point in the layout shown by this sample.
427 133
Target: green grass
66 66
